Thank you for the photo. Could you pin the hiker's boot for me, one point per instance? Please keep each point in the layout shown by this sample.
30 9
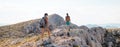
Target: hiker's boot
68 34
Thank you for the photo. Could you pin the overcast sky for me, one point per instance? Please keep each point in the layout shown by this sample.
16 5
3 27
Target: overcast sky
81 11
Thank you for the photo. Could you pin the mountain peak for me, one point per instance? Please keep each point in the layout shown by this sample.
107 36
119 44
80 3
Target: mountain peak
54 15
56 19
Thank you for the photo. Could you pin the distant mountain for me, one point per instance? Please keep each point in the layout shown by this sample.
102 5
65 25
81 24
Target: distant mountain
110 25
104 25
91 25
2 24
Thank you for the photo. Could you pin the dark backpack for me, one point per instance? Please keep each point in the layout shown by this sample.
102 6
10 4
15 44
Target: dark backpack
42 22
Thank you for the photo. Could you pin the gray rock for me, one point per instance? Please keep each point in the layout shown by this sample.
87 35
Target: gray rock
56 20
59 32
28 44
84 27
82 35
15 41
110 44
39 43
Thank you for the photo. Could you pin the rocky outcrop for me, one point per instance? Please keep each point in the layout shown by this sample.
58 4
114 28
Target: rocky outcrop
32 28
61 36
77 38
54 21
80 37
112 38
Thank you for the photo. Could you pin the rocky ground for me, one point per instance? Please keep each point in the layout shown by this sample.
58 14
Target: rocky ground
28 34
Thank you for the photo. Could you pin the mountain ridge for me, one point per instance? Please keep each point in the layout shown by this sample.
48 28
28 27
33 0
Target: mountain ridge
111 25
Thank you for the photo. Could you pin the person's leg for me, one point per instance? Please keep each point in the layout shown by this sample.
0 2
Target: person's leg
48 32
69 31
47 29
66 32
69 26
42 30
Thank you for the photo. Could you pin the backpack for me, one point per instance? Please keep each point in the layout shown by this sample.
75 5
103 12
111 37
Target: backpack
42 22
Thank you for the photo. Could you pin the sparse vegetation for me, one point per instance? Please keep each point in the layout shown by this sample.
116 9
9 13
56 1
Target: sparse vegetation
13 36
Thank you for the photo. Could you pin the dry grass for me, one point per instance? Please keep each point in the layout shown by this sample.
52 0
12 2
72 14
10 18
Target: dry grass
6 42
16 27
16 30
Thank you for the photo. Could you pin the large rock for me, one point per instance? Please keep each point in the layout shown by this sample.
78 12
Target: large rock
32 28
54 21
81 36
77 36
84 27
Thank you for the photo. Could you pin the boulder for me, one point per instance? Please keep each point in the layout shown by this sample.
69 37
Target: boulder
56 20
84 27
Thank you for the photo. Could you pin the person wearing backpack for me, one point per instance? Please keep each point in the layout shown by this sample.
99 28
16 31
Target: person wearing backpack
44 25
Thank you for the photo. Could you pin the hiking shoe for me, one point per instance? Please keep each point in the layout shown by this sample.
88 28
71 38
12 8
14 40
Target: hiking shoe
68 34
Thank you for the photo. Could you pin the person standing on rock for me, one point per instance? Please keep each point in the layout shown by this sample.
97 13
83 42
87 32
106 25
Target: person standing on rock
44 25
67 23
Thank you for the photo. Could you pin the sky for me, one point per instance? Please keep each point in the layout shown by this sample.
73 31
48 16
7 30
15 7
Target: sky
82 12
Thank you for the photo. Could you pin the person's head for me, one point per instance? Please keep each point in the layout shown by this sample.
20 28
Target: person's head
67 14
46 14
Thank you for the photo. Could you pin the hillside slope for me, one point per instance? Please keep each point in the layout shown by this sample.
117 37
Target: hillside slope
26 34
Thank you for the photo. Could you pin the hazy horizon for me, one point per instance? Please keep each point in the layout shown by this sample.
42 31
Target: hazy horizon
82 12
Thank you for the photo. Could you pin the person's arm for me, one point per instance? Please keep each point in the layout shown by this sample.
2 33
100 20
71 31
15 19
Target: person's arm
66 18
